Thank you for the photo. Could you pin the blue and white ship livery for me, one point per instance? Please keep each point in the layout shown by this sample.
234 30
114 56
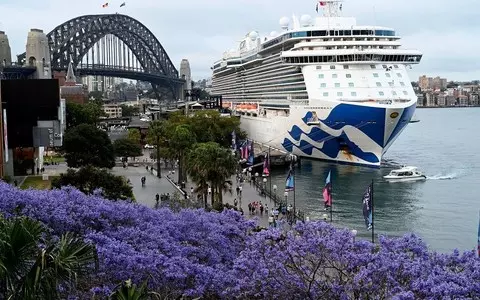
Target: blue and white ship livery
322 88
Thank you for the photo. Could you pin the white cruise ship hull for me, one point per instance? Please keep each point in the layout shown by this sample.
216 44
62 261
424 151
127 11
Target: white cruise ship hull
342 132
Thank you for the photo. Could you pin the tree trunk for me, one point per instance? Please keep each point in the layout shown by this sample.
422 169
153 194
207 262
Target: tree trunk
220 193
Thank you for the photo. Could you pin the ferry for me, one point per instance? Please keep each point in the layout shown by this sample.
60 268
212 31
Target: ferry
321 87
405 174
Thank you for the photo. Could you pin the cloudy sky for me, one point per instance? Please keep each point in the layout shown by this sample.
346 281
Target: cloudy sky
200 30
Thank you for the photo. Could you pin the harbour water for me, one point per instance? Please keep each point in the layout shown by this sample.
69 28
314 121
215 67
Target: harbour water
443 210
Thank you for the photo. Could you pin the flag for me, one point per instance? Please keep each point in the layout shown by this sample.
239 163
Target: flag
243 150
266 166
105 5
251 155
290 182
327 191
367 207
323 3
122 5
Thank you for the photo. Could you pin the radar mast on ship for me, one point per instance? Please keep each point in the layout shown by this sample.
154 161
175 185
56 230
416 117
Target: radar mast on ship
331 8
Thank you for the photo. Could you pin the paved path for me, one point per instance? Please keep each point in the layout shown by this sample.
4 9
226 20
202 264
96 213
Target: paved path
145 195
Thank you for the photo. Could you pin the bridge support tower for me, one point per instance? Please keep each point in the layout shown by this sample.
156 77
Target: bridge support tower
38 54
5 51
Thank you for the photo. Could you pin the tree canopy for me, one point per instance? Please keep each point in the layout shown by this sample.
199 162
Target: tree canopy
85 145
134 135
223 256
127 148
129 111
88 113
90 179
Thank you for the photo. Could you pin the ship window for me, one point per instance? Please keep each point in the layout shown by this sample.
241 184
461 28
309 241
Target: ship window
332 67
379 84
345 66
395 66
354 94
350 84
321 76
339 94
381 93
319 67
334 75
405 92
394 93
337 85
349 75
402 83
375 75
373 66
391 83
388 75
325 94
399 75
384 66
323 85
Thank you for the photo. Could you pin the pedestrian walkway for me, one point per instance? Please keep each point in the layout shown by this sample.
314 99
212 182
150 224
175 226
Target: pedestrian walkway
145 195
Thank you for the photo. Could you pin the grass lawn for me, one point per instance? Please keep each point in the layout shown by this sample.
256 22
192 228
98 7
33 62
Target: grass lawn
36 182
54 159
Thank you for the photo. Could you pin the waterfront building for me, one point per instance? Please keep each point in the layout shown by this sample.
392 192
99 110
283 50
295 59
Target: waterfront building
112 110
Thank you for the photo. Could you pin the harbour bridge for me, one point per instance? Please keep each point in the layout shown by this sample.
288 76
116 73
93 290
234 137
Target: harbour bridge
112 45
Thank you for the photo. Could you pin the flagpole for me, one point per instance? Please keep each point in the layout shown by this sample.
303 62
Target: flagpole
270 170
373 213
331 197
294 188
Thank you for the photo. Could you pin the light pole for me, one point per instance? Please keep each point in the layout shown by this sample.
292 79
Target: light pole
159 171
286 197
265 186
354 233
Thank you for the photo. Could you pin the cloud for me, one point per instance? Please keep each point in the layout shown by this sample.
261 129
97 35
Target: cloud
201 30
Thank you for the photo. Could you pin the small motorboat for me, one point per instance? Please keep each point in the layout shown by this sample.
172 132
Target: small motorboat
405 174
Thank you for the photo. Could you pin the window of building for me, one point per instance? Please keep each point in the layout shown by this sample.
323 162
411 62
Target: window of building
323 85
379 84
405 93
402 83
348 75
337 84
325 94
321 76
354 94
381 93
334 75
373 66
332 67
350 84
345 66
375 75
339 94
388 75
394 93
399 75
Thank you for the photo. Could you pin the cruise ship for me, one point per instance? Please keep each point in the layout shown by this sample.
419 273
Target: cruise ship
321 87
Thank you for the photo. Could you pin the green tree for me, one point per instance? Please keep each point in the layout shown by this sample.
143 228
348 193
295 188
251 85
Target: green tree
134 135
96 95
209 162
32 266
88 113
89 179
127 148
129 111
87 145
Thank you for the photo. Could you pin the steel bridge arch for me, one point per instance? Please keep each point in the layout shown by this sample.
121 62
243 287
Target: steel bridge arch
71 40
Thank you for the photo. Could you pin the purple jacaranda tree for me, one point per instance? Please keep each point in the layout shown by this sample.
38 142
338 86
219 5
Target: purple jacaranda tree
221 255
317 261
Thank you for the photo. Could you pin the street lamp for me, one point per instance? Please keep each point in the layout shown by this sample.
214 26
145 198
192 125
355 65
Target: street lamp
265 186
325 217
354 233
275 188
286 197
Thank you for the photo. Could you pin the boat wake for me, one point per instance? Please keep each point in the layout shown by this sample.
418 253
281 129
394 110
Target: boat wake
443 177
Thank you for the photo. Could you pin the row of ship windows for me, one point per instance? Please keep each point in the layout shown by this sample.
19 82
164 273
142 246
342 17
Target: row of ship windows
354 94
352 57
399 75
351 84
333 67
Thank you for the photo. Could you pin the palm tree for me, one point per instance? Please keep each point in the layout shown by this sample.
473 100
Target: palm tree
208 162
33 267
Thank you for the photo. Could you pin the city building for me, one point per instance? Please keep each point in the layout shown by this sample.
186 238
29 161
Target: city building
437 83
112 111
70 90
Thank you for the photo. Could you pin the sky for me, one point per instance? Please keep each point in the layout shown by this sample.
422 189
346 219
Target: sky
201 30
